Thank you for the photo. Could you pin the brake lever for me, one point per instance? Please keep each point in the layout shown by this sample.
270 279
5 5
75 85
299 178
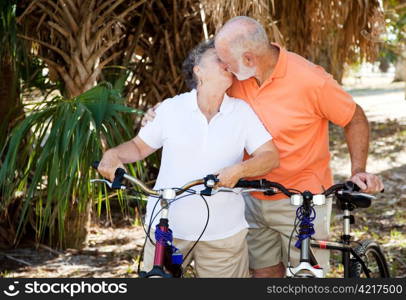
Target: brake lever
372 197
223 189
235 190
108 183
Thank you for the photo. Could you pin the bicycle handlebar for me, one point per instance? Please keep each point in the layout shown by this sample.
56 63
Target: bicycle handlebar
265 184
261 185
120 174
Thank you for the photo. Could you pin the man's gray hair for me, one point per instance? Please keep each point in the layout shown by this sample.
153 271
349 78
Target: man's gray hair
247 34
193 59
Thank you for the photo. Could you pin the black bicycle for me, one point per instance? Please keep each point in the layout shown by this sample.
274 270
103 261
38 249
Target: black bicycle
359 258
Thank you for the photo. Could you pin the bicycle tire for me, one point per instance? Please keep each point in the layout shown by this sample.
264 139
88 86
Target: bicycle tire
371 254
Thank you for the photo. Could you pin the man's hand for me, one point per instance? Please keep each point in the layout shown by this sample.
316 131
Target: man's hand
149 115
368 183
109 163
228 177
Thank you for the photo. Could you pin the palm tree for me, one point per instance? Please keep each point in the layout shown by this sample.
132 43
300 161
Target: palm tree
74 37
170 29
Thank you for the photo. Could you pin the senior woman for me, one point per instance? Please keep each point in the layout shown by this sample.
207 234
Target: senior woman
202 132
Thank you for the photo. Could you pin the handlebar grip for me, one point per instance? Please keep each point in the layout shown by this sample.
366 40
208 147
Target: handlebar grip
118 178
118 175
351 186
254 184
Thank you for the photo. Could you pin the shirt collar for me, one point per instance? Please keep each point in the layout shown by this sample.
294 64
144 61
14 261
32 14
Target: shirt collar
225 107
281 65
193 102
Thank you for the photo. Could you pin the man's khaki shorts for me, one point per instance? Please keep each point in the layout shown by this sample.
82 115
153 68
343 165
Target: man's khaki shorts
270 226
227 258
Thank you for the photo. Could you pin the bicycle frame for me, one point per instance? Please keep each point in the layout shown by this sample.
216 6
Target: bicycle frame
308 261
345 249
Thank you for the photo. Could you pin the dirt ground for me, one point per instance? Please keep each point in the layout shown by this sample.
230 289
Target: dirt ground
112 249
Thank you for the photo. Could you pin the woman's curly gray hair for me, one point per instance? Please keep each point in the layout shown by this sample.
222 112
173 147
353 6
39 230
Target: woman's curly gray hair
193 59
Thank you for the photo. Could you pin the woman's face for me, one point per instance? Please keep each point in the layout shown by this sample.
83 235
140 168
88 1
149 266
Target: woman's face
212 71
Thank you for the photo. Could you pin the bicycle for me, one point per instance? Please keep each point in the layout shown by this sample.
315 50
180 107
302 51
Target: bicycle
365 258
168 261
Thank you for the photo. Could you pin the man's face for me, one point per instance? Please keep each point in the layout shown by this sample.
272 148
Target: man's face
244 72
235 66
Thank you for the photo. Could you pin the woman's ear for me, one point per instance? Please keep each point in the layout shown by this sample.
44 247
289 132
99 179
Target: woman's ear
196 71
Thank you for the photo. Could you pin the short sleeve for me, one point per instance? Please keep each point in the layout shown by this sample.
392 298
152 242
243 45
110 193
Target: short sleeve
335 104
152 132
256 134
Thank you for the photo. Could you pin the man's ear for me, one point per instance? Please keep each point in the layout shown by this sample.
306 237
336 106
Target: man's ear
248 59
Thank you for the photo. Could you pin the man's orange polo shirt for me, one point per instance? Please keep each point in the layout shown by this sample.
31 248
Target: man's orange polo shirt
295 104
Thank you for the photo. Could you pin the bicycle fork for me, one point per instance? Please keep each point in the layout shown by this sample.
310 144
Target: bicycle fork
160 243
307 259
305 268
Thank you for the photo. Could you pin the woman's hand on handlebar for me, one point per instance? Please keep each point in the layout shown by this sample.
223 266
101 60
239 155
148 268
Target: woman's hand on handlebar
228 177
109 164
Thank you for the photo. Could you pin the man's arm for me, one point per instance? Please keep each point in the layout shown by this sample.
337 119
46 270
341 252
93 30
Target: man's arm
263 160
150 114
128 152
357 136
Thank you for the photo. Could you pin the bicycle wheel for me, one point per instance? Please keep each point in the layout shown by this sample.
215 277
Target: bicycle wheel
371 254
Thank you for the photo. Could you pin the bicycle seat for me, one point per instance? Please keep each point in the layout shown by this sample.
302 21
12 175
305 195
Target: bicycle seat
350 198
356 199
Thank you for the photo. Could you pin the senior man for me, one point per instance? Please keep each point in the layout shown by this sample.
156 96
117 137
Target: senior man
295 99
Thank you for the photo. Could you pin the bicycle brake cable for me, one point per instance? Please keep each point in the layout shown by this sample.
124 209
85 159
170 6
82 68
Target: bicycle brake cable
295 223
204 229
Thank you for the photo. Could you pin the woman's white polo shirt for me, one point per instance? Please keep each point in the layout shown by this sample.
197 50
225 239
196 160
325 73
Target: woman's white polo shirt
194 148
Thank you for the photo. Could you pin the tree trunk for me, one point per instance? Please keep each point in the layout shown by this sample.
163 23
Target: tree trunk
10 108
400 69
10 105
76 224
324 59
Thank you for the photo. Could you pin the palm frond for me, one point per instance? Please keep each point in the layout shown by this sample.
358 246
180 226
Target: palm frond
64 138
